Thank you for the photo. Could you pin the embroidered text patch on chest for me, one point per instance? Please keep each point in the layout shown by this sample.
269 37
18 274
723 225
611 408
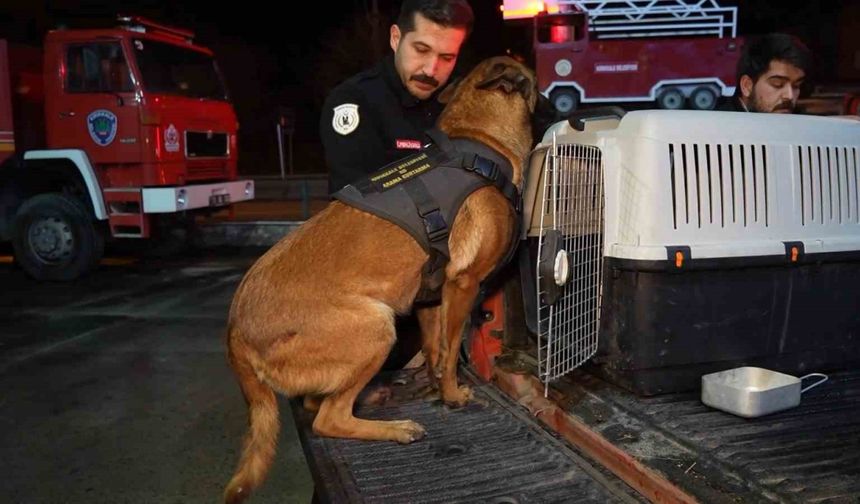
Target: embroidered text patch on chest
405 143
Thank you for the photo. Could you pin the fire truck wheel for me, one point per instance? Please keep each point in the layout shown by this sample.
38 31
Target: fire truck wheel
671 99
565 100
55 238
703 98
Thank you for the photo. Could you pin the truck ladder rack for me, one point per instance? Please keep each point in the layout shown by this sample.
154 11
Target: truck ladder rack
655 18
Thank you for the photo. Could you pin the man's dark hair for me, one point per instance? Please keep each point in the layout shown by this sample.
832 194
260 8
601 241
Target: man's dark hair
757 55
448 13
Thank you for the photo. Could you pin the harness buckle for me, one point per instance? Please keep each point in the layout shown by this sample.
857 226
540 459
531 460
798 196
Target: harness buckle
434 224
467 161
486 168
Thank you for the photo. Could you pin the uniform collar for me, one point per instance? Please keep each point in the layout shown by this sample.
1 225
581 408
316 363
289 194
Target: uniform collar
393 80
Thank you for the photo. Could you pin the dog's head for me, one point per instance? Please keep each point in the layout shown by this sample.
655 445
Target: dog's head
493 104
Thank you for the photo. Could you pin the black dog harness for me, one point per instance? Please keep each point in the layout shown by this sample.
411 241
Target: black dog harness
422 194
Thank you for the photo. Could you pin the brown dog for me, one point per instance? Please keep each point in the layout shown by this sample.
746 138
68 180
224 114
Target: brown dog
314 316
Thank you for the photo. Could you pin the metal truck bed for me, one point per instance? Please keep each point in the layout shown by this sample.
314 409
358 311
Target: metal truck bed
489 451
807 454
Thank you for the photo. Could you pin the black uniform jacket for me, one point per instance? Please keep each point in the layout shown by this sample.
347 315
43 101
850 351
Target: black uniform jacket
371 120
733 104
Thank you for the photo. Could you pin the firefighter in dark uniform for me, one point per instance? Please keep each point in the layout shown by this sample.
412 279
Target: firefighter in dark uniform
380 115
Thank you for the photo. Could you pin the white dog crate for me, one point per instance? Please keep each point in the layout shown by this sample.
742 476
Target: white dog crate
670 244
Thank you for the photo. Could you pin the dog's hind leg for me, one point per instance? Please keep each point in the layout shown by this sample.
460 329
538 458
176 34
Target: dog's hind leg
335 418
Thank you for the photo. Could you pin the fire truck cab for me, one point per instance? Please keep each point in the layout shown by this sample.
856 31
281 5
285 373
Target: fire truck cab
117 132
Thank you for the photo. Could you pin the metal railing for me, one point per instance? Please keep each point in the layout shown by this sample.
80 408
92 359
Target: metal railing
651 18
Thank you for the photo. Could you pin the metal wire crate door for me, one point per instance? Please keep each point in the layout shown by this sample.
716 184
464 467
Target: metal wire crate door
570 259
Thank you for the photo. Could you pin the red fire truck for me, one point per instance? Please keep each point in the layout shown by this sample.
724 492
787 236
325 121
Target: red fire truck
609 51
121 132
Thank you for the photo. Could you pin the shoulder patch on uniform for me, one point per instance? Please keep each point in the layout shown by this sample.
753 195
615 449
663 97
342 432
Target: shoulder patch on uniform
345 118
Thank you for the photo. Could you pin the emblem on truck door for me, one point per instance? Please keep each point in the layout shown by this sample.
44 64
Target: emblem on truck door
171 139
101 124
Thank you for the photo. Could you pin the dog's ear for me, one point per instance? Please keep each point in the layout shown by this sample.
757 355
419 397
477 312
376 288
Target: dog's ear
508 78
447 93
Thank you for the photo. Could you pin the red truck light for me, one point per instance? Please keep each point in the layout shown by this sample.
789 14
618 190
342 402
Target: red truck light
559 34
158 143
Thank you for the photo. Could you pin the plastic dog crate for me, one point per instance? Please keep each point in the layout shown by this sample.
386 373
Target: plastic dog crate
671 244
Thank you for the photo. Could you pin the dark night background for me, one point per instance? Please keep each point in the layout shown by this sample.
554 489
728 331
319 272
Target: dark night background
291 60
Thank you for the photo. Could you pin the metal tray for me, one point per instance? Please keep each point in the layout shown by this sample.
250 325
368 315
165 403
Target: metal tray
752 391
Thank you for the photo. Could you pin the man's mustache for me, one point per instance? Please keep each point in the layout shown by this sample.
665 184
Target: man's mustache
786 105
426 79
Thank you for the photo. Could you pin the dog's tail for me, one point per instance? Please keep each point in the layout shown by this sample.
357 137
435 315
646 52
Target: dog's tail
262 437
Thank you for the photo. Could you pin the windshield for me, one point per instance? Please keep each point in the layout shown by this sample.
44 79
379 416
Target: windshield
173 70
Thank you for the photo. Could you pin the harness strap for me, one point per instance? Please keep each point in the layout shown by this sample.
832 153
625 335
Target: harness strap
437 233
490 170
439 138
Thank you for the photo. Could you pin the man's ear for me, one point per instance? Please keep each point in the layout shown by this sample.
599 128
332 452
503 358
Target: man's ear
394 37
448 93
746 85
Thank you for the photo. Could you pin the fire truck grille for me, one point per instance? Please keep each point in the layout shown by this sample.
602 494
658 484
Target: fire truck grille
207 169
205 145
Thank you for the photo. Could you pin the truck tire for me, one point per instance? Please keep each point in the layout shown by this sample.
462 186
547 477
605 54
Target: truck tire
565 100
703 98
54 238
671 99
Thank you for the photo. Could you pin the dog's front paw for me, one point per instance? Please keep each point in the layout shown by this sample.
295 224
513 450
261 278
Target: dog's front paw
459 397
407 431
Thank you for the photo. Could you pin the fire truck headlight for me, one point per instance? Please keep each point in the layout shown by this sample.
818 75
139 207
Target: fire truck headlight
249 189
181 199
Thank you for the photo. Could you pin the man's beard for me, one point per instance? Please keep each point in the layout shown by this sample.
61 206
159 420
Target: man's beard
756 106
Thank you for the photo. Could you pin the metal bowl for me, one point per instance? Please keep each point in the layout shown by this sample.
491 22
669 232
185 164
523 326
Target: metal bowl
752 391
